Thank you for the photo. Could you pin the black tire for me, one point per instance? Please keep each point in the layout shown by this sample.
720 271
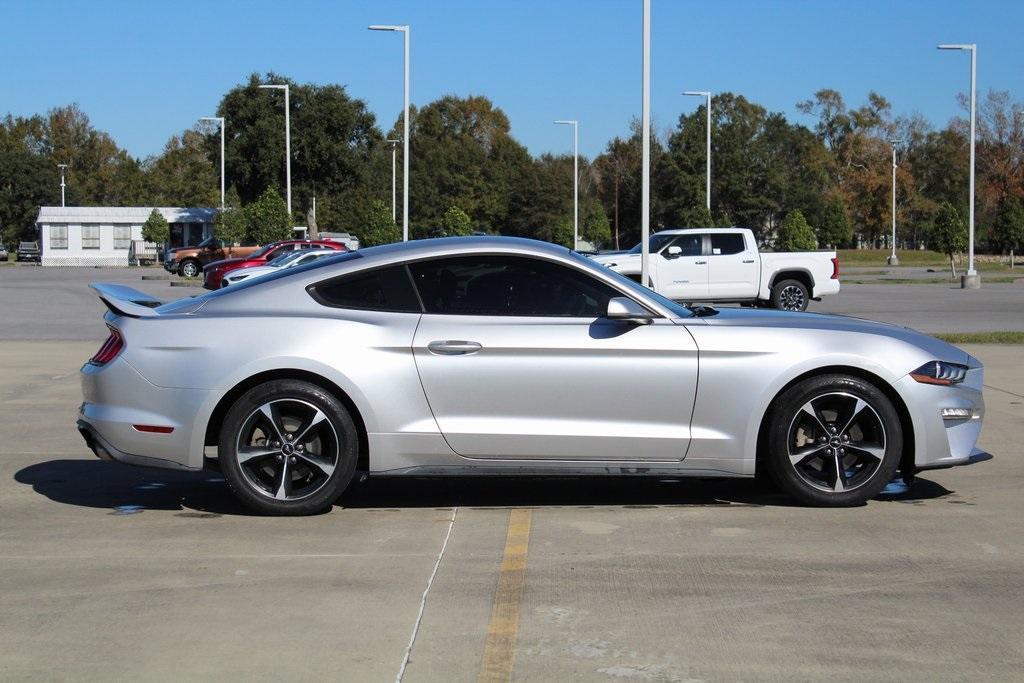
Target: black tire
858 457
790 295
190 268
288 447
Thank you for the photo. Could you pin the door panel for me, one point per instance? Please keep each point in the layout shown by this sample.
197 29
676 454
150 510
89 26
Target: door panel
735 268
683 277
558 388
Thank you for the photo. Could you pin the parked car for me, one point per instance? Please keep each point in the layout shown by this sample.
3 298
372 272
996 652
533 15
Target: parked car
27 251
350 241
189 261
288 260
724 265
3 253
214 273
471 355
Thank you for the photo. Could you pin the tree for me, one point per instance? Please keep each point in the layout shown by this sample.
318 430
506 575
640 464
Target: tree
156 229
696 217
455 222
379 227
183 175
949 235
231 225
562 232
1009 225
267 218
795 234
833 226
595 229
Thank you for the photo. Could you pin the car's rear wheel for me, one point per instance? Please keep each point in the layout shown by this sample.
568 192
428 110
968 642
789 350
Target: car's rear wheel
834 441
288 447
189 268
790 295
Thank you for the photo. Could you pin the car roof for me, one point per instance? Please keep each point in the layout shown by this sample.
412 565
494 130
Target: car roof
683 231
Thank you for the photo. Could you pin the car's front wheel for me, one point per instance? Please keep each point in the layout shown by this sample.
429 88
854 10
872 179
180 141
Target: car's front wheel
834 441
189 268
288 447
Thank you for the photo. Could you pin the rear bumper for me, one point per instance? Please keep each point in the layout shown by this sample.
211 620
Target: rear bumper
103 450
825 288
116 398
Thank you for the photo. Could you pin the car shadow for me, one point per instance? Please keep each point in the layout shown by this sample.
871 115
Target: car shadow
126 490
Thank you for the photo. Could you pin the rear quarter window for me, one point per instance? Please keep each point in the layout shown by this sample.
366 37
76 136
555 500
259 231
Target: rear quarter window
382 289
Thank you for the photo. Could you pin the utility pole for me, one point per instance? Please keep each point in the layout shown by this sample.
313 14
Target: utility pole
893 259
287 140
405 30
645 136
220 121
575 181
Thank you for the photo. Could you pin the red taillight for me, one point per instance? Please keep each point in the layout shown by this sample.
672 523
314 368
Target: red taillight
110 348
153 429
835 268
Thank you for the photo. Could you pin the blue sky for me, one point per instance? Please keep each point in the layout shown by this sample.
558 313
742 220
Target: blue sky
144 71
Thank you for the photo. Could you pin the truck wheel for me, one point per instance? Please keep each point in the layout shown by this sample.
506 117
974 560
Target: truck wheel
189 268
790 295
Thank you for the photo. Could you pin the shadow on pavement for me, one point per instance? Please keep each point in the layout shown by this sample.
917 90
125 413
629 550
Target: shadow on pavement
125 490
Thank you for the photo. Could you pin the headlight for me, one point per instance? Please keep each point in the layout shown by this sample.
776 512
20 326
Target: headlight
938 372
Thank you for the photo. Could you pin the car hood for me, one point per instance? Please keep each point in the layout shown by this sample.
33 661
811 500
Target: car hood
937 348
605 259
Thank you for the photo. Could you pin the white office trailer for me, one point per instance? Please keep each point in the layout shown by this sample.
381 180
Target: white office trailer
112 235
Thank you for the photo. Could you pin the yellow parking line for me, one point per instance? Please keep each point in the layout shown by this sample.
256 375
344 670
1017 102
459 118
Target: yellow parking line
500 648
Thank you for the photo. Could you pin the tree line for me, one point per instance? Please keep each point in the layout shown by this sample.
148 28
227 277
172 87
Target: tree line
468 173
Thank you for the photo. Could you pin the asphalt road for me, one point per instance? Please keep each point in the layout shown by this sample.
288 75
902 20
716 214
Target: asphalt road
109 572
56 304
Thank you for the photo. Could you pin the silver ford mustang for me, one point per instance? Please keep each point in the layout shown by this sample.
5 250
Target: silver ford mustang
467 356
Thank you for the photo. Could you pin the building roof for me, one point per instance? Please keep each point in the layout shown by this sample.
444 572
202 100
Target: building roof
122 214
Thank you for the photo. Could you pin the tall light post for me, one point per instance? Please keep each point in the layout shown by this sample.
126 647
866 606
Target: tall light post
707 139
575 180
62 167
394 203
287 139
645 161
405 30
893 259
220 122
972 280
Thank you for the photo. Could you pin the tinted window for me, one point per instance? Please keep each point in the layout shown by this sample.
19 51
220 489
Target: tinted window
280 251
655 243
692 245
728 243
386 289
502 285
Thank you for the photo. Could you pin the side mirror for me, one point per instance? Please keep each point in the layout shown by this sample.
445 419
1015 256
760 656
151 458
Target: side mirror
674 251
625 309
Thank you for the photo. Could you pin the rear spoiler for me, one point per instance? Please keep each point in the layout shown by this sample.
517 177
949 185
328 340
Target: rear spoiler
122 300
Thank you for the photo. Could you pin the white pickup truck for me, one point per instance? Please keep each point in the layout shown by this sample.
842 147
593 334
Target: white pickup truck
724 265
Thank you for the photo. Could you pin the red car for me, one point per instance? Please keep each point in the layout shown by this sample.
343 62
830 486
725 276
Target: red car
213 274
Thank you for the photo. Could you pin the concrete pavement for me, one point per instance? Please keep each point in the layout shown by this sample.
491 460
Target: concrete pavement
111 572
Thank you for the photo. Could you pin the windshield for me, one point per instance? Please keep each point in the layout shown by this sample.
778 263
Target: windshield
286 258
657 243
678 310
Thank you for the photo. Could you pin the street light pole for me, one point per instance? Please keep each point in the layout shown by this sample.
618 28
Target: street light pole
220 122
394 202
972 280
575 180
707 138
405 30
287 140
645 137
893 259
62 168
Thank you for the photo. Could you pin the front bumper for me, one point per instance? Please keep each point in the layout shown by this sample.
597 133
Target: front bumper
942 442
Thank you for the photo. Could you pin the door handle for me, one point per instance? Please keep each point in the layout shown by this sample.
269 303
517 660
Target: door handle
452 347
700 263
748 261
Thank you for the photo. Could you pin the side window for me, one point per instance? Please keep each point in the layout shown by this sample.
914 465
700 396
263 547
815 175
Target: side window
725 244
280 251
508 286
384 289
692 245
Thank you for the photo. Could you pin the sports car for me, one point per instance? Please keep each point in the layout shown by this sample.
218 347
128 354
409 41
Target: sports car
505 356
